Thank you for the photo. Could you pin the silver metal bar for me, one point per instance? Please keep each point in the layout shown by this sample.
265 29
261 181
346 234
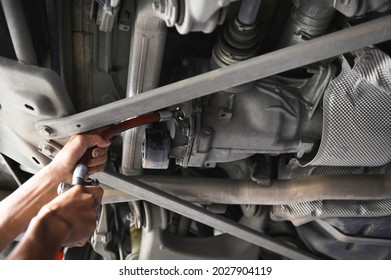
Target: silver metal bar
300 190
248 11
177 205
324 47
145 62
19 31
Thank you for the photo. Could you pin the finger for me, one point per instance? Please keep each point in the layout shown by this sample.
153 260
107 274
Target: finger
96 169
97 140
97 152
80 243
97 193
97 161
78 144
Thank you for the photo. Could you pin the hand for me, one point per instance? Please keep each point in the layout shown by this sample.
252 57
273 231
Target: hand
74 212
68 220
65 161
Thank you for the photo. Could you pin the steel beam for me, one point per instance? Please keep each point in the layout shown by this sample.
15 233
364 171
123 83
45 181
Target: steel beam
280 192
192 211
317 49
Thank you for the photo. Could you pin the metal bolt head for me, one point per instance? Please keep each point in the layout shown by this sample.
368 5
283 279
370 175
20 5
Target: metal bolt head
45 131
47 150
158 7
345 2
207 130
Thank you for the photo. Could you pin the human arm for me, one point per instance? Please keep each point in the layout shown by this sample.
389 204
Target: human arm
17 210
68 220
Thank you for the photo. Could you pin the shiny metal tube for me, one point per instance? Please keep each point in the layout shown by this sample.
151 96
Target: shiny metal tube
249 11
224 191
145 61
165 200
19 31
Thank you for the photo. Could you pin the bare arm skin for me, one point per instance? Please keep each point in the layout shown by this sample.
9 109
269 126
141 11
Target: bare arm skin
68 220
17 210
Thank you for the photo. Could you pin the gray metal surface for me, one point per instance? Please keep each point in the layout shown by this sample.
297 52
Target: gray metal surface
294 170
145 61
19 31
302 213
249 11
362 35
352 239
268 118
177 205
28 94
102 235
356 118
200 15
360 7
225 191
308 19
159 243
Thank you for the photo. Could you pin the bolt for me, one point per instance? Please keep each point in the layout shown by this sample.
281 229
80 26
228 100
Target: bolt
159 6
45 131
207 130
130 217
47 150
156 6
133 219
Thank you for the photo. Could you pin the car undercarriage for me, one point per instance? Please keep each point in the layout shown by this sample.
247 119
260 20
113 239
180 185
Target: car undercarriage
273 137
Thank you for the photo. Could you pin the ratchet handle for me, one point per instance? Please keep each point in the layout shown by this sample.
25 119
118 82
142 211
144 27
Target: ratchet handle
116 129
80 173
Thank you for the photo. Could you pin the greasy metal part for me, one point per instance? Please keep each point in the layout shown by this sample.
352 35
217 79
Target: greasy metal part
360 7
268 118
249 11
239 39
335 233
19 31
308 19
102 236
49 148
199 15
167 10
177 205
158 243
107 14
156 148
145 61
299 190
327 46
